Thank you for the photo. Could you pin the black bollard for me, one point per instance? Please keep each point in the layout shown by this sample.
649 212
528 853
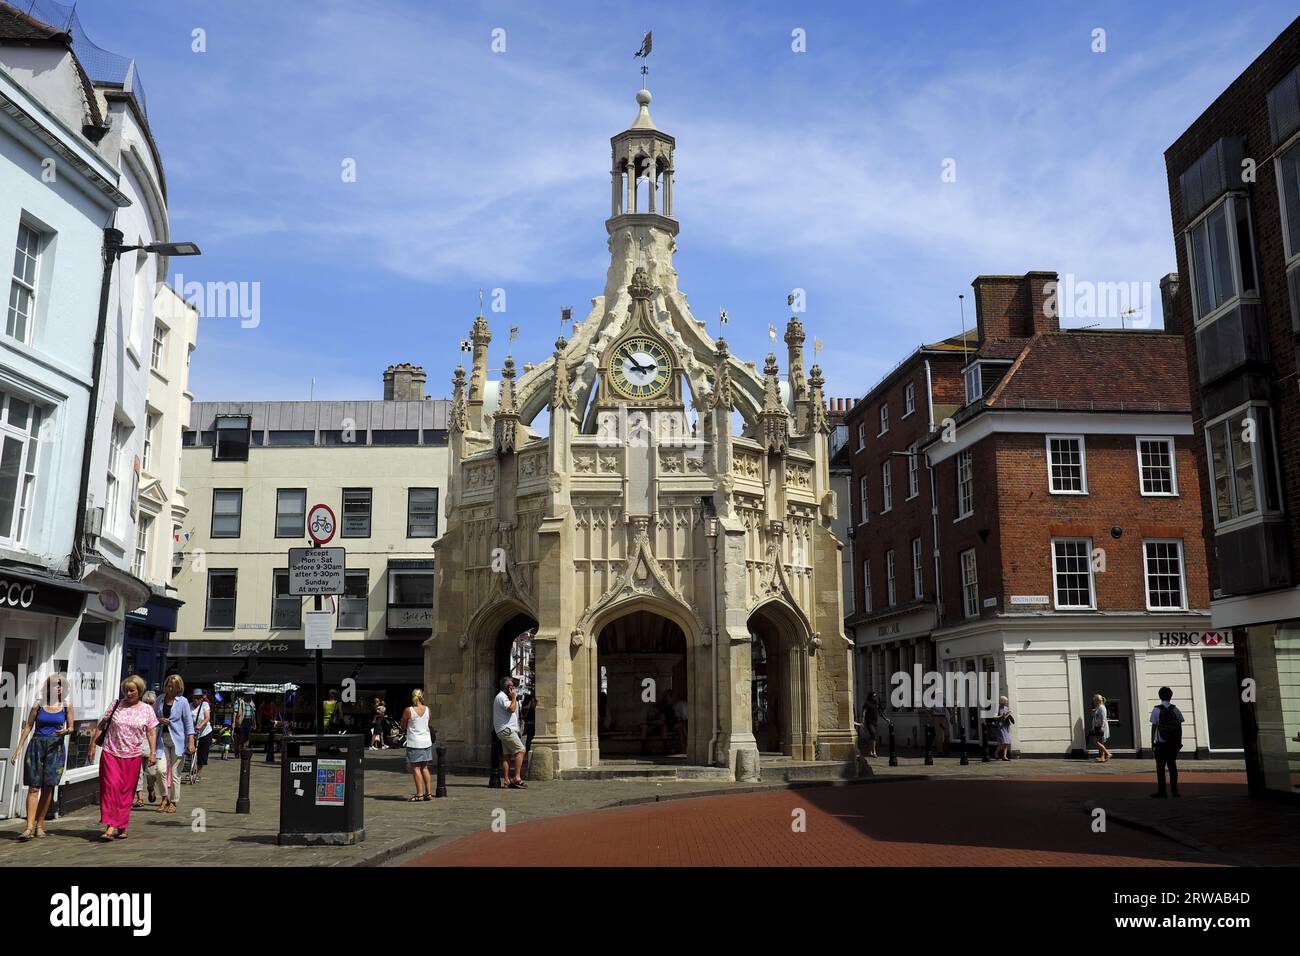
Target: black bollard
242 804
929 745
965 761
441 790
494 778
893 757
984 741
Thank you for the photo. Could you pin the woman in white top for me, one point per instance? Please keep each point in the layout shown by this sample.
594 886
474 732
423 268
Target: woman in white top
1100 731
419 745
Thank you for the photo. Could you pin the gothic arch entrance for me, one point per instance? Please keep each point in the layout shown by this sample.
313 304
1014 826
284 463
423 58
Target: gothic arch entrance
779 699
641 658
505 649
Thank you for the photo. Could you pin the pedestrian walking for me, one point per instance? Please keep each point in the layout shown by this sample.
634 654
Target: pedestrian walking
938 715
127 724
419 745
1166 741
867 727
201 710
175 740
378 720
1100 727
1004 721
505 721
146 776
48 723
243 721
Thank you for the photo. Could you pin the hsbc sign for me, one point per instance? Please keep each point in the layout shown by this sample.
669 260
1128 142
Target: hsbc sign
1192 639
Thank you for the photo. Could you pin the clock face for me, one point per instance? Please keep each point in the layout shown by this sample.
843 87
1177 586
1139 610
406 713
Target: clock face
640 368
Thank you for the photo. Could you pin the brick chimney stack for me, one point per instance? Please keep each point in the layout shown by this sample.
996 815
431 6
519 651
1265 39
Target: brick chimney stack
1016 307
404 383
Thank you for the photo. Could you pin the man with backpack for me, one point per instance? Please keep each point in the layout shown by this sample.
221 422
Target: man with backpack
1166 741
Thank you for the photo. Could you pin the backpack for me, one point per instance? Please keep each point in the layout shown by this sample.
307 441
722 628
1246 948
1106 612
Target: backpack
1170 725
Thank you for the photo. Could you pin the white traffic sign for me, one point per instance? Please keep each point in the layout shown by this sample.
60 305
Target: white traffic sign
321 523
316 571
318 630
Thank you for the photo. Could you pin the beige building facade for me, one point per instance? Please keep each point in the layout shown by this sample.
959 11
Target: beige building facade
252 471
641 546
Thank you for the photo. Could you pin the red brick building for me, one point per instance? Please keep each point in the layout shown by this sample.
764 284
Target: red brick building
890 542
1068 523
1234 190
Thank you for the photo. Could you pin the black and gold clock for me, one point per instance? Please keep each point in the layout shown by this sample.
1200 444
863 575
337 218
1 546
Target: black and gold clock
640 368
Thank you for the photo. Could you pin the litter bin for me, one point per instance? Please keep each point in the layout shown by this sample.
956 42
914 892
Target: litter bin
321 789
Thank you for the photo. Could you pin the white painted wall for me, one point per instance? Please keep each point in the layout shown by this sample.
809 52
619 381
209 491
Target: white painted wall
54 368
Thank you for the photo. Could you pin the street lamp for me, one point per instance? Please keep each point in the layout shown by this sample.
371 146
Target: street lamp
113 249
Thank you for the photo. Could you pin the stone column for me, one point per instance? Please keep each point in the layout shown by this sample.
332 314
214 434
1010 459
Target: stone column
736 732
653 182
614 193
554 747
631 186
668 191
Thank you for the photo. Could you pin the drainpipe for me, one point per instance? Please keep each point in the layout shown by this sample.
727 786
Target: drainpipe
929 395
77 562
934 525
711 532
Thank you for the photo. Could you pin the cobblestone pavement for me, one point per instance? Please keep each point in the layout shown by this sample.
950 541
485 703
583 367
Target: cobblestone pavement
1032 821
395 827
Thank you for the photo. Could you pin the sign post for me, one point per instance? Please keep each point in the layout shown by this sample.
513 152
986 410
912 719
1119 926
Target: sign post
321 525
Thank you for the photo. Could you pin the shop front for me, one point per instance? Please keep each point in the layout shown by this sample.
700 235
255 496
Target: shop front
41 634
1049 669
359 670
148 630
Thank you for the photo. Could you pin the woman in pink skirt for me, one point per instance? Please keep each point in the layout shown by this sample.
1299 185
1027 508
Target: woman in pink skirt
127 723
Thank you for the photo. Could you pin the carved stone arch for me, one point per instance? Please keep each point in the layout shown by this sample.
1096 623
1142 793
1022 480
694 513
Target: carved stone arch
533 393
641 577
790 614
678 612
775 591
489 619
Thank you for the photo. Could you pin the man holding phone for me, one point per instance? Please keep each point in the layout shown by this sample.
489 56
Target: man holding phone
505 721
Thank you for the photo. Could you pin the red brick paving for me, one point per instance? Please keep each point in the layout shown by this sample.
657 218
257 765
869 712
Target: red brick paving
1029 821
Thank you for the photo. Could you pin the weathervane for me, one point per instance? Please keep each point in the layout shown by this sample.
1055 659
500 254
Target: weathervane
818 345
480 301
644 54
566 315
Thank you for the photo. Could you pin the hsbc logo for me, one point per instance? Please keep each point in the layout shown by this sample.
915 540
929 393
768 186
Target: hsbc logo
1192 639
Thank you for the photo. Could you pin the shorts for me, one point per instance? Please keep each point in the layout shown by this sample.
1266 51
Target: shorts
416 755
510 742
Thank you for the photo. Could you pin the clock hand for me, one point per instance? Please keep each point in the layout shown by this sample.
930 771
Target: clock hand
639 367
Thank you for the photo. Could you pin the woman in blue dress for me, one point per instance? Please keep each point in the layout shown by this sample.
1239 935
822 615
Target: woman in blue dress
1004 721
49 722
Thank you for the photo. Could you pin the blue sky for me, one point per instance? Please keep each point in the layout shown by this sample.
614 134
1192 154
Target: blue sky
819 170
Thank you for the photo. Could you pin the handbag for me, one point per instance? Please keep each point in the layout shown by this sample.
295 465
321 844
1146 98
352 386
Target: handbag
104 724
